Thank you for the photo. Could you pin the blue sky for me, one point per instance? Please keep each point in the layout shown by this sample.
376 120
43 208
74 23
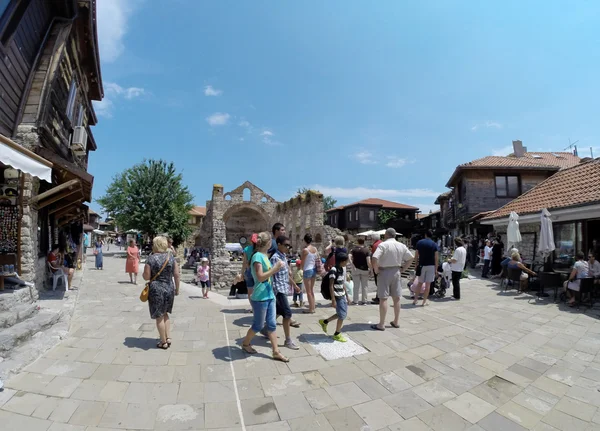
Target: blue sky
358 99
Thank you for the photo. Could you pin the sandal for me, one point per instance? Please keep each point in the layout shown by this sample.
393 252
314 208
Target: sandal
169 342
279 357
308 312
394 325
248 349
377 328
162 345
294 324
415 301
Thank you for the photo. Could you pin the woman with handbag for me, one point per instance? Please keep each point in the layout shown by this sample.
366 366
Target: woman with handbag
98 254
160 271
312 265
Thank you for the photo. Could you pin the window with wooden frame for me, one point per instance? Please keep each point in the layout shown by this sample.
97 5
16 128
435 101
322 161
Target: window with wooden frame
71 100
11 13
508 186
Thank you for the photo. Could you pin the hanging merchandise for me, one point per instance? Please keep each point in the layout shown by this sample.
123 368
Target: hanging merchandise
9 229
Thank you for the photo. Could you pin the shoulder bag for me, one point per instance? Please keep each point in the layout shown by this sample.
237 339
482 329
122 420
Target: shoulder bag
146 291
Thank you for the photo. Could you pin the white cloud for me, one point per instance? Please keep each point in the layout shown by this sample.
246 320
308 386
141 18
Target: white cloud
210 91
218 119
365 192
488 124
364 157
396 162
244 123
113 89
113 92
104 108
112 18
504 151
266 133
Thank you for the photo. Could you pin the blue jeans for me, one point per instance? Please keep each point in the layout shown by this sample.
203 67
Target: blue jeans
248 278
298 295
264 315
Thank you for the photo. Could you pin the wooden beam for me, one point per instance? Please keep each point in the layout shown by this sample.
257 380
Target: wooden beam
58 197
66 186
64 206
68 210
69 219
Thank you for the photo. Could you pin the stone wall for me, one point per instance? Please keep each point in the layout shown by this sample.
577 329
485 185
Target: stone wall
30 267
305 214
530 236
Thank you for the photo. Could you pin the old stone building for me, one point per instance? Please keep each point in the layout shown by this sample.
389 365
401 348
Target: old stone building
232 217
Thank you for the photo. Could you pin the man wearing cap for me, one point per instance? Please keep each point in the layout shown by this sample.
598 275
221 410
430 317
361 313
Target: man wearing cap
389 261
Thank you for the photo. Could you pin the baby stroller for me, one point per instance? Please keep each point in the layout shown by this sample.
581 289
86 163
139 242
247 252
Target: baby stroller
443 279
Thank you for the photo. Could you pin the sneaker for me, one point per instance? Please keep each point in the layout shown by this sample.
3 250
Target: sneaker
291 345
323 325
375 302
339 338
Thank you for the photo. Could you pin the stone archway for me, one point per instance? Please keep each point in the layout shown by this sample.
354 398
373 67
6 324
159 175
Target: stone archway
243 219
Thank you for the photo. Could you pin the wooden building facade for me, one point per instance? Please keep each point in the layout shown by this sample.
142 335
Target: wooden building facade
49 75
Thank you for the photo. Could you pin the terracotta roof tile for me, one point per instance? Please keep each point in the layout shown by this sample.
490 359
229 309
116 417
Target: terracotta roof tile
575 186
198 211
380 202
560 159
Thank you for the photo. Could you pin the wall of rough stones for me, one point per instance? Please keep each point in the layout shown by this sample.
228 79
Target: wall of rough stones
305 214
530 235
300 215
32 269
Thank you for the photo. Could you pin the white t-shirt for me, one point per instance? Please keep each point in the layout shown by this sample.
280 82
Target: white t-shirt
582 268
487 253
460 255
594 269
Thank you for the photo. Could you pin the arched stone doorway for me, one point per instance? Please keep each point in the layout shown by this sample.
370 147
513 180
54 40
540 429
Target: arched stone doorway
244 219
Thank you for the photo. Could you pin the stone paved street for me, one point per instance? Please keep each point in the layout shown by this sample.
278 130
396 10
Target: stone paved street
493 361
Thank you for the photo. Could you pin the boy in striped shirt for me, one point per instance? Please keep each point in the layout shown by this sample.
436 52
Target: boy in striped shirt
338 296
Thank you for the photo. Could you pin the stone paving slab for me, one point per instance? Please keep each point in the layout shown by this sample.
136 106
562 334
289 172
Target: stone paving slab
493 361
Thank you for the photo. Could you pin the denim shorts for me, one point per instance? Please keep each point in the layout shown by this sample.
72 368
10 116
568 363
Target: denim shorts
248 278
282 305
310 273
341 307
264 315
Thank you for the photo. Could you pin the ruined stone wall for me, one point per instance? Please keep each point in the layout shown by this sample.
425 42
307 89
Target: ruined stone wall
305 214
32 269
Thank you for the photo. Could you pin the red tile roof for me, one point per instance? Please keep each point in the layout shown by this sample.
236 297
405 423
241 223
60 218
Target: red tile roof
377 202
570 187
198 211
530 161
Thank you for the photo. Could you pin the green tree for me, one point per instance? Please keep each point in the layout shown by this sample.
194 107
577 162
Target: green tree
150 197
328 201
386 216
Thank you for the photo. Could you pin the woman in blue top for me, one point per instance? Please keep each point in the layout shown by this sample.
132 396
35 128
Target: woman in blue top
263 298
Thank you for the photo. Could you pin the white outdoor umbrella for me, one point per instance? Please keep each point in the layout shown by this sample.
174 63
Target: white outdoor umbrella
366 233
513 235
546 245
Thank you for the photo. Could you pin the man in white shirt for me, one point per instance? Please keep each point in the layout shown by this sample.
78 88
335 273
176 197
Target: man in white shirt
487 258
389 261
457 263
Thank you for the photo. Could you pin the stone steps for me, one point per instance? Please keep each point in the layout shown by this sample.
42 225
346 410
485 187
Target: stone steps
9 299
17 314
20 332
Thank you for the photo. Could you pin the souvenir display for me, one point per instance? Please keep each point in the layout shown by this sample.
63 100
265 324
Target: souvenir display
9 229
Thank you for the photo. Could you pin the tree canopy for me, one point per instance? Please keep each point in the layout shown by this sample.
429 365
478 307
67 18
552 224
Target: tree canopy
150 197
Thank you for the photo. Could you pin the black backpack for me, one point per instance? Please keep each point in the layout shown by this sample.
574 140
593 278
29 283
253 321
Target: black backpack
325 285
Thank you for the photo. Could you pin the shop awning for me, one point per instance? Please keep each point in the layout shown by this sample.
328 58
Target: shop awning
18 157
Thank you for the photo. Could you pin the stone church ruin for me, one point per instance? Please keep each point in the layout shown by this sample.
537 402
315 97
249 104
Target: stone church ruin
232 217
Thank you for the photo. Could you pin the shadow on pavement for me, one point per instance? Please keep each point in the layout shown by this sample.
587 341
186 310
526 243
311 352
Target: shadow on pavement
140 343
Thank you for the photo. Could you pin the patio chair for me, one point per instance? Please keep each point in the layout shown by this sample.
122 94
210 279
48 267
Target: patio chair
586 287
59 274
514 275
550 280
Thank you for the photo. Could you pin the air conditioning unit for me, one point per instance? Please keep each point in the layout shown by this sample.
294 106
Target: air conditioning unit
79 141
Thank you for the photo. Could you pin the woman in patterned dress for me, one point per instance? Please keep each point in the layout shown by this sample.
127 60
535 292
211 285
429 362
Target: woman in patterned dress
162 289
